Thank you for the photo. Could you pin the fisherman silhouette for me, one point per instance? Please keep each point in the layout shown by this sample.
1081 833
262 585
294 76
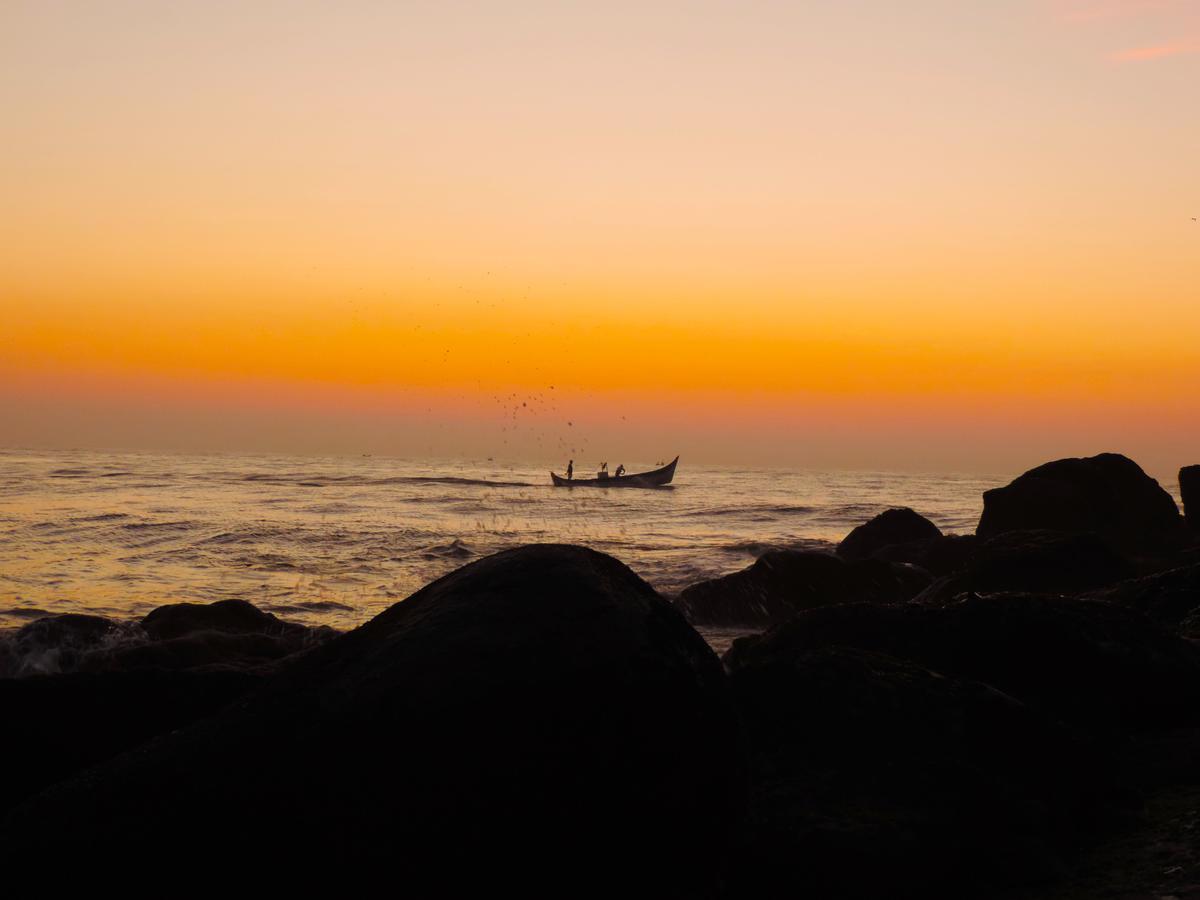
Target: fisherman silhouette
570 469
620 470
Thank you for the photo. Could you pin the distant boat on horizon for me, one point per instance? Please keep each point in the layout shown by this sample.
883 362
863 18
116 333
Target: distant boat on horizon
651 479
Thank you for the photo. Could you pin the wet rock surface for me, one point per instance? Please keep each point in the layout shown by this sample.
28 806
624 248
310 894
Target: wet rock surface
784 582
1033 561
938 556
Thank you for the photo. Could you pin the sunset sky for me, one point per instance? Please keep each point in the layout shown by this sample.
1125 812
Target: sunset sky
867 234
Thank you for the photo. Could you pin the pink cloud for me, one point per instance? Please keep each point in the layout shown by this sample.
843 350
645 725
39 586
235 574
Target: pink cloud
1148 29
1157 51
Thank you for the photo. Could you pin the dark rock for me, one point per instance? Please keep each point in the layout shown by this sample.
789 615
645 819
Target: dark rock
227 616
1037 562
58 725
894 526
539 718
938 556
1093 664
1189 493
1171 599
782 582
1108 494
875 777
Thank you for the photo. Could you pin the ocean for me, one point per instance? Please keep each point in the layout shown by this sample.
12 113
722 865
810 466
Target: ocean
334 541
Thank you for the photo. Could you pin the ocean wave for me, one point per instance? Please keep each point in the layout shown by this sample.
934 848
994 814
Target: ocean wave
749 510
54 644
361 481
26 612
758 548
307 606
450 479
456 549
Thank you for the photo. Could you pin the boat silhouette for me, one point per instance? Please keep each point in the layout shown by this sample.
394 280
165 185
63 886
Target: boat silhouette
653 478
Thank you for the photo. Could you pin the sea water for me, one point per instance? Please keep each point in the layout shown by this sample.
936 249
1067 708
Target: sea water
334 541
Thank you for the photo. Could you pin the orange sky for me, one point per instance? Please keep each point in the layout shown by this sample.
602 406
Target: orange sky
924 235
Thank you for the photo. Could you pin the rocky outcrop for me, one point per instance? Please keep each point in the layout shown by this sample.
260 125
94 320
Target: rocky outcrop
875 777
1094 664
782 582
539 718
1108 495
894 526
1189 493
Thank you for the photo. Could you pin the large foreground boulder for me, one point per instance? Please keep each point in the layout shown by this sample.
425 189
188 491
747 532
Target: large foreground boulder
1097 665
1108 495
539 719
782 582
889 528
875 777
58 725
1189 493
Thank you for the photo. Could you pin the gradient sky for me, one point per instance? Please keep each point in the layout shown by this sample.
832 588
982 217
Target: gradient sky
869 234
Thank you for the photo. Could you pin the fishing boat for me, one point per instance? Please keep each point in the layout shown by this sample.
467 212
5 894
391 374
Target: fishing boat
654 478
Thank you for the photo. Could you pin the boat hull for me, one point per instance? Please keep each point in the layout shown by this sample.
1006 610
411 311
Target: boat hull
652 479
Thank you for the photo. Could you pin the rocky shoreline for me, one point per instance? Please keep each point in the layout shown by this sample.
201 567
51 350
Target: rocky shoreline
1010 713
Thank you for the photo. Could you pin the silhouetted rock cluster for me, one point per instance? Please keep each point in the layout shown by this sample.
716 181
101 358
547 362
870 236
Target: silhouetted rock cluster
927 715
970 737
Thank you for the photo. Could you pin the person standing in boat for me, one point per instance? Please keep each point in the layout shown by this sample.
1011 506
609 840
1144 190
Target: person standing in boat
570 469
620 470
